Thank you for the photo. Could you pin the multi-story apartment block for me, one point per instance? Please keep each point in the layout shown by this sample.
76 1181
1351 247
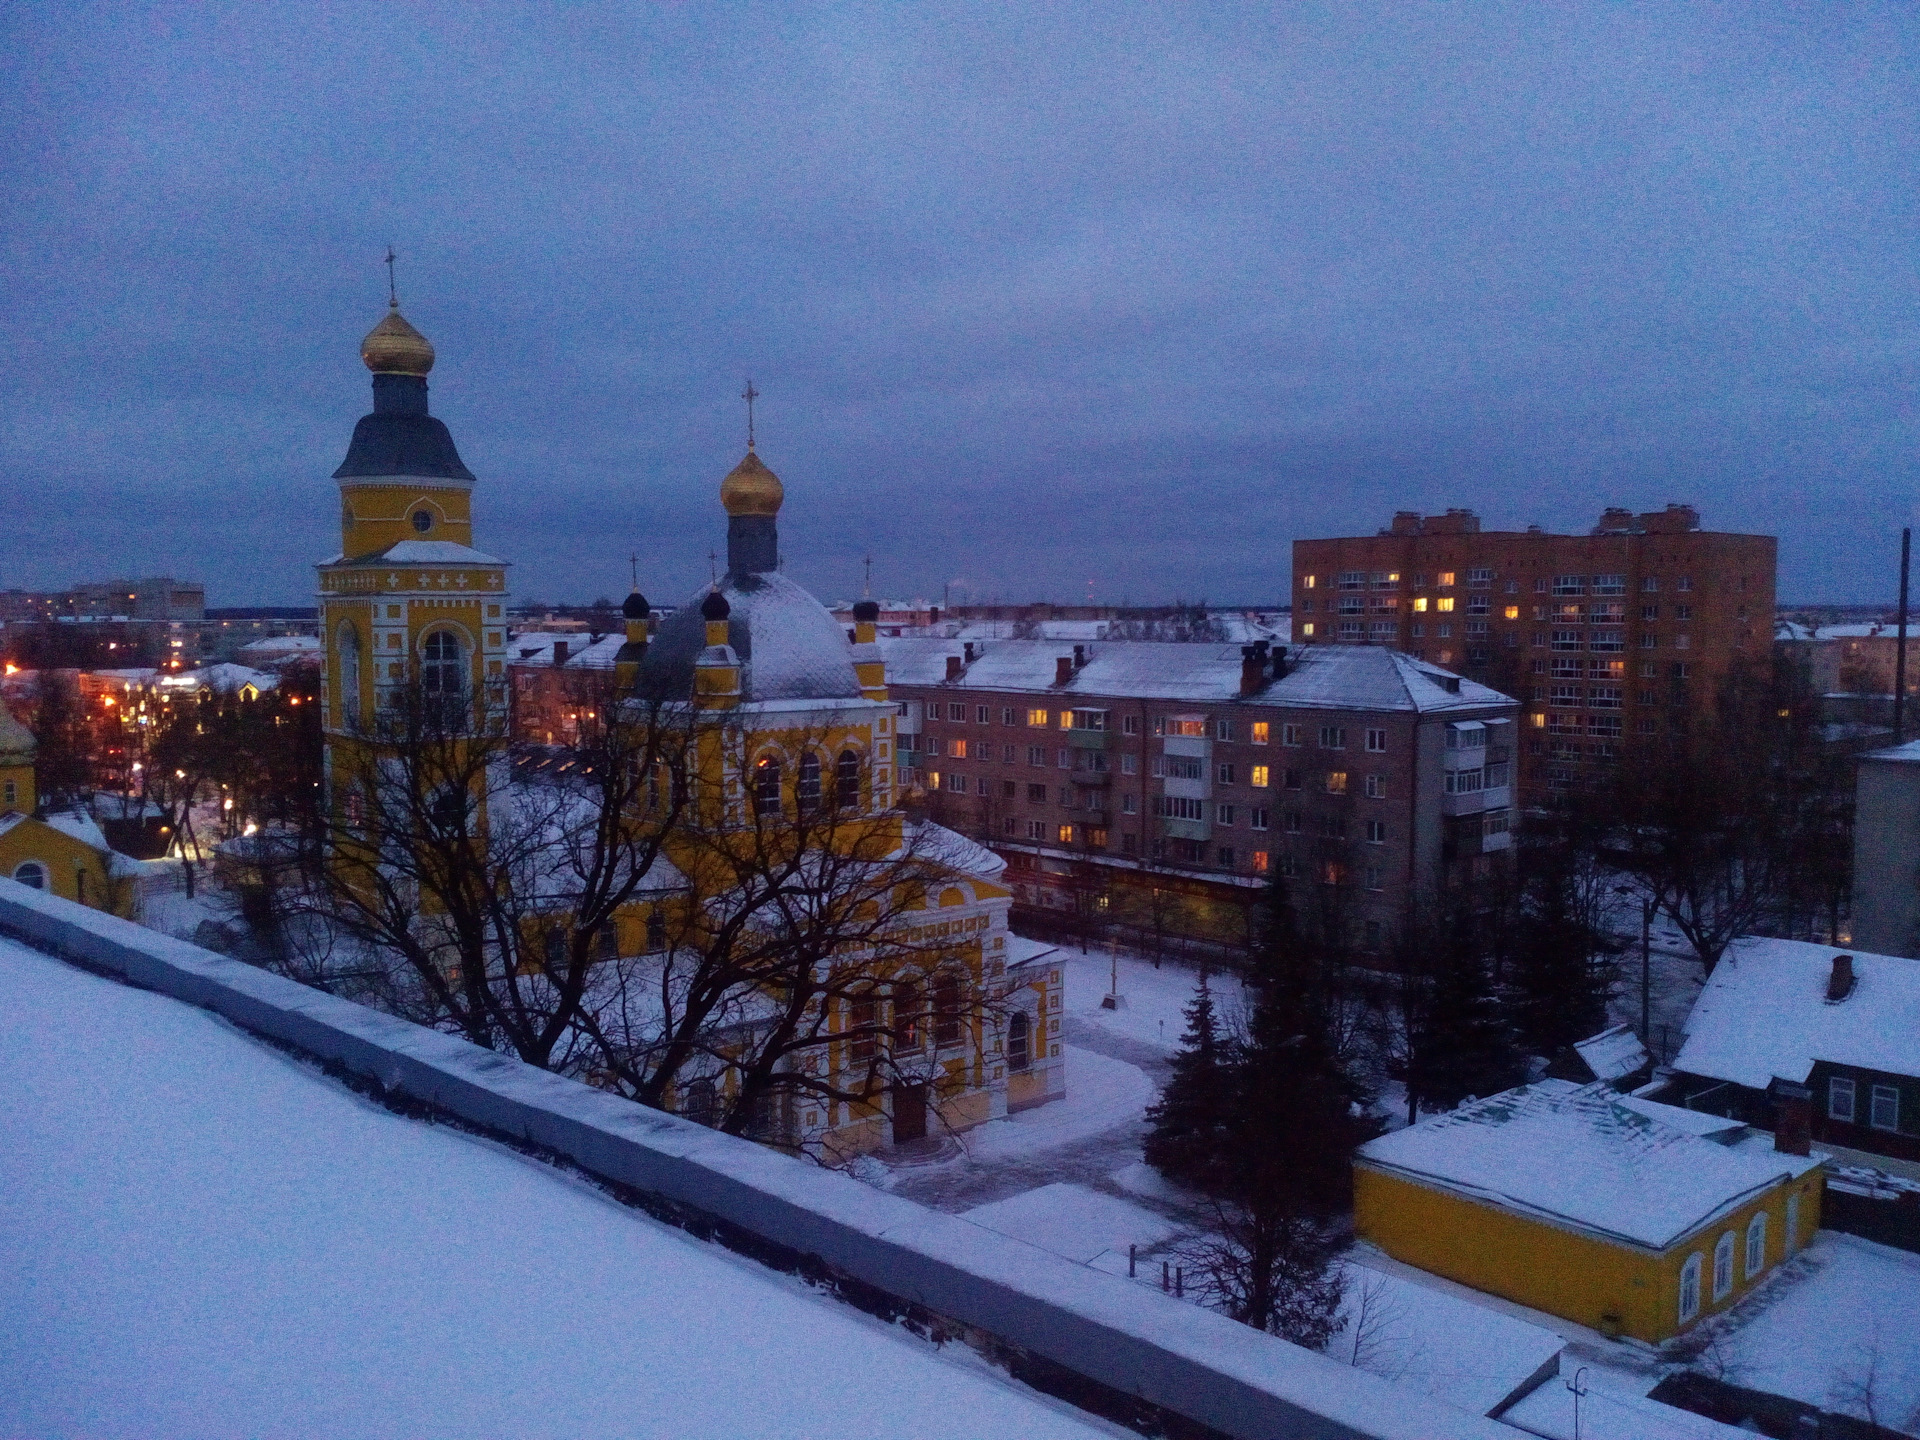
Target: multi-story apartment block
1612 639
1155 787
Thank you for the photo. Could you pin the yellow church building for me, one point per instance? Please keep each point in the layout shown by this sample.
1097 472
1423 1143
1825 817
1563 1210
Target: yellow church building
64 853
1626 1216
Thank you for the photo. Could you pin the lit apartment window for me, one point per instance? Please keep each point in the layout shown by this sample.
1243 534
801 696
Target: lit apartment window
1307 630
1376 741
1376 787
1444 604
1840 1099
1259 776
1512 612
1260 862
1336 782
1038 718
1310 581
1445 580
1259 732
1886 1108
1066 834
1420 604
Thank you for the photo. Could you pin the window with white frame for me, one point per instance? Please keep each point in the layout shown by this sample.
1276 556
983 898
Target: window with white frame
1376 741
1723 1267
1885 1114
1690 1288
1756 1244
1840 1098
1376 787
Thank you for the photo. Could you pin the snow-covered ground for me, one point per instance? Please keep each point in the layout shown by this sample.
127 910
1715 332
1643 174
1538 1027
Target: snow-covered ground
1075 1222
1839 1320
1154 999
200 1237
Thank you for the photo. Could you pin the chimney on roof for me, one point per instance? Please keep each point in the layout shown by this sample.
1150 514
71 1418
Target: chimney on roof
969 649
1253 669
1280 662
1450 683
1063 670
560 648
1405 522
954 666
1841 982
1792 1119
933 614
1079 656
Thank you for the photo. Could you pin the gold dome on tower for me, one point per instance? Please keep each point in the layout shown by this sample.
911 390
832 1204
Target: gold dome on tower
393 347
752 489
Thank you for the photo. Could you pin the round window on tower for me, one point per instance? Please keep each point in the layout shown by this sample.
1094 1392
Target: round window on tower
422 521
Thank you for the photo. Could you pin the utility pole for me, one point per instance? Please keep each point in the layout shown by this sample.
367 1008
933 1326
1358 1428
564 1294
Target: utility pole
1900 646
1646 970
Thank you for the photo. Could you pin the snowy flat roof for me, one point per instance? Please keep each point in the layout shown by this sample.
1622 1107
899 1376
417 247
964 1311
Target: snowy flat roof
227 1243
1764 1013
1612 1053
1348 677
1581 1156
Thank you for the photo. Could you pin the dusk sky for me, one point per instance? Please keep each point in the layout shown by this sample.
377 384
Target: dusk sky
1038 296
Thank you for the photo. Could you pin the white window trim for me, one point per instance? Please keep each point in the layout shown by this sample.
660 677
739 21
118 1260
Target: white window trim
1723 1251
1690 1288
1756 1241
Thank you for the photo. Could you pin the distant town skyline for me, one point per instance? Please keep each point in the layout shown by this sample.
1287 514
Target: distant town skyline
1033 300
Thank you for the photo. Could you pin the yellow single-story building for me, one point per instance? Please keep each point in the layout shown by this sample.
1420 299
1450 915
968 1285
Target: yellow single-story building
1624 1215
64 853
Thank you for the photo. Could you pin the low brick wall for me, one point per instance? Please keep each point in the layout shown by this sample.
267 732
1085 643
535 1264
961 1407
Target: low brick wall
1118 1337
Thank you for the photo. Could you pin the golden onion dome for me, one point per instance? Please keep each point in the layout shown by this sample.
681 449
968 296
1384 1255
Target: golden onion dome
752 489
393 347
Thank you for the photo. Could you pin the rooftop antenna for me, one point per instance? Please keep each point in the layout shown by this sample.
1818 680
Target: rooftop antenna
749 395
393 295
866 591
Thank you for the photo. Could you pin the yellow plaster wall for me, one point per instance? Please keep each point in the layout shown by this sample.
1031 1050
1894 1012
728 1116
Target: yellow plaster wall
66 860
1611 1287
372 517
24 797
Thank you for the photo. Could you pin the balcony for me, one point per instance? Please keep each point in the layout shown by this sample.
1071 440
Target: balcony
1093 779
1088 739
1188 829
1497 797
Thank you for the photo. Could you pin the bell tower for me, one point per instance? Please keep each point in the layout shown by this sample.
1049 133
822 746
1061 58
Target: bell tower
408 601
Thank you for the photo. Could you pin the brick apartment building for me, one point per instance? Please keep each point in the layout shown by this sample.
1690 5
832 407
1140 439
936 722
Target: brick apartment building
1153 787
1611 639
556 681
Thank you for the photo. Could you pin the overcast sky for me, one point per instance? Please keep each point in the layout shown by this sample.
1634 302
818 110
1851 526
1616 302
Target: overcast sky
1041 298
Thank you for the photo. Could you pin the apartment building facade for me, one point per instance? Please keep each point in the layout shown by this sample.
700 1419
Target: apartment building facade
1611 640
1153 788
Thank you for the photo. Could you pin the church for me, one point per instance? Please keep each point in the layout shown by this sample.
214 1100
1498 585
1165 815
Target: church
63 852
790 739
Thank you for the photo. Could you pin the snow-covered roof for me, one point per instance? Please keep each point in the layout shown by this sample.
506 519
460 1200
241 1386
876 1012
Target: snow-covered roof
225 678
1764 1013
1907 754
78 825
307 1250
1348 677
1612 1053
428 552
535 648
1579 1155
790 647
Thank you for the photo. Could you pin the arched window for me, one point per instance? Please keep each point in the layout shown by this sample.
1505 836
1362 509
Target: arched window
1723 1267
907 1009
656 929
946 1009
32 874
347 643
766 787
863 1014
1756 1244
1690 1288
1018 1029
443 667
699 1103
808 791
846 781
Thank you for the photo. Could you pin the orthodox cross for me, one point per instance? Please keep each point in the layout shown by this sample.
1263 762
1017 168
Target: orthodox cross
749 395
634 560
867 592
393 295
713 566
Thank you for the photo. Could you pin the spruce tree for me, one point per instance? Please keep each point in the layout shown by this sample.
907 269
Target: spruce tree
1462 1044
1186 1139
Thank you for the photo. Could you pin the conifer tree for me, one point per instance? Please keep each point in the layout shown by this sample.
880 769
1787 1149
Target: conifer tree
1187 1138
1462 1043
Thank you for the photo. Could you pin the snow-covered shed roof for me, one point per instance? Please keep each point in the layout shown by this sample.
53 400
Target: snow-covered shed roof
1579 1155
1613 1053
225 678
1348 677
790 647
421 552
1764 1013
307 1250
